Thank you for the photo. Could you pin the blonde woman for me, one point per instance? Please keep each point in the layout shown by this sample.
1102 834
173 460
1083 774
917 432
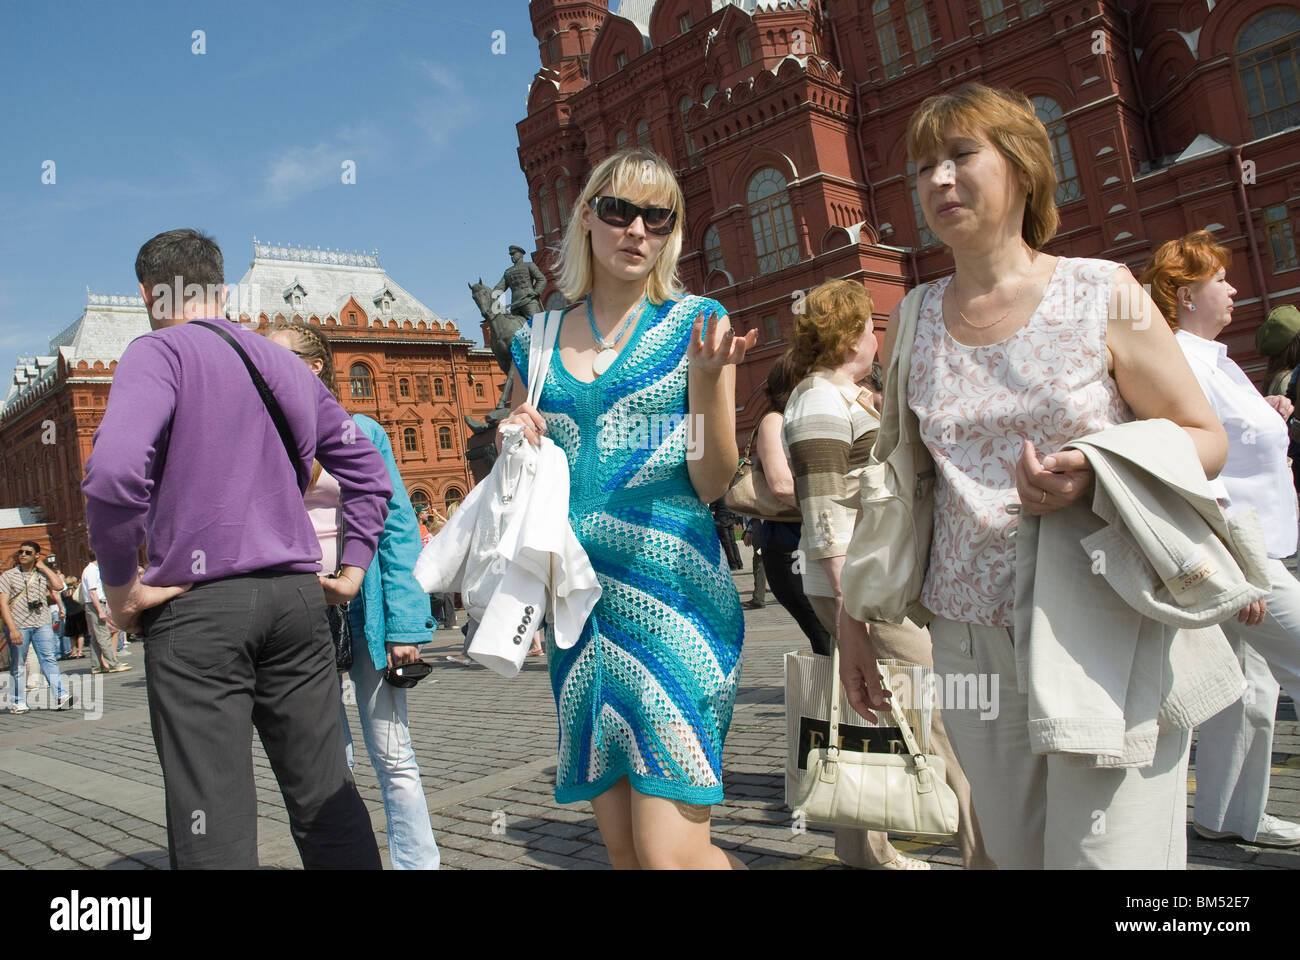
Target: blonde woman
641 396
1017 353
830 425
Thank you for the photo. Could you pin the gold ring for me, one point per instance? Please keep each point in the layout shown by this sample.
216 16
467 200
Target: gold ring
1044 500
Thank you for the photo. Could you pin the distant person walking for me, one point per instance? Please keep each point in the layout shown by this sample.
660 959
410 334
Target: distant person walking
99 622
29 588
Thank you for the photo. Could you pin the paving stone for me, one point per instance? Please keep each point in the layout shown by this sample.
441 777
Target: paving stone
557 845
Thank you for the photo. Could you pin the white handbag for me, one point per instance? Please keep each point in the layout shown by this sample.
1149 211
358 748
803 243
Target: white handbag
904 792
506 626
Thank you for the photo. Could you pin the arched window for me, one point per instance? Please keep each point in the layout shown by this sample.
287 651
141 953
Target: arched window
362 383
924 233
712 250
453 499
1268 62
683 108
620 139
772 221
403 387
643 134
548 218
918 25
886 38
562 202
410 443
444 438
707 93
1030 8
995 18
419 500
1049 112
743 50
438 390
478 389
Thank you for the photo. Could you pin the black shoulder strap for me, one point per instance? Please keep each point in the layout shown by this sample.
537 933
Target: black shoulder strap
268 398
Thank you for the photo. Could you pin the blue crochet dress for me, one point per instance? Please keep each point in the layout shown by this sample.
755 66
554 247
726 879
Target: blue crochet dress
647 691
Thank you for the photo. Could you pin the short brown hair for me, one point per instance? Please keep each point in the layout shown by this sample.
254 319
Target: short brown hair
192 256
1181 263
835 314
1008 120
781 382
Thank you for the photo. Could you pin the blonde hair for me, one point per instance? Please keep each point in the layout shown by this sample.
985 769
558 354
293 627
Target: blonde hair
312 346
644 178
835 314
1008 120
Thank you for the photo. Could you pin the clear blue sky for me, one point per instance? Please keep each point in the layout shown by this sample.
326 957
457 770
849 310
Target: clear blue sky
248 138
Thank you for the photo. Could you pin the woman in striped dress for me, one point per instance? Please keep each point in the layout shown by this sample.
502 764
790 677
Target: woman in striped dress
640 395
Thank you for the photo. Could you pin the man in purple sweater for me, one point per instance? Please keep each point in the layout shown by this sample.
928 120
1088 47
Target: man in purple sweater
232 606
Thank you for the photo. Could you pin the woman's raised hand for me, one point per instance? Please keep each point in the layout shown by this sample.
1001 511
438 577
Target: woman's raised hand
720 346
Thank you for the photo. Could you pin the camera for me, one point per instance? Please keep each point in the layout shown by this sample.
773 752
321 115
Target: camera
35 606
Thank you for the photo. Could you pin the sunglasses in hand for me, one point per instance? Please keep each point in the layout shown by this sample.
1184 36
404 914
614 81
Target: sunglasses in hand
408 674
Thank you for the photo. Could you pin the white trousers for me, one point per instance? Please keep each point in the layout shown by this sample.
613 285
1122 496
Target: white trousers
1049 811
1234 748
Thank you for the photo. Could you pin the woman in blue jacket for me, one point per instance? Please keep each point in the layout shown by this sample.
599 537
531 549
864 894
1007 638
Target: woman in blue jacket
389 620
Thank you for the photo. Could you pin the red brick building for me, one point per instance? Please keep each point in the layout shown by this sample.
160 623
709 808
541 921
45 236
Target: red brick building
396 361
785 120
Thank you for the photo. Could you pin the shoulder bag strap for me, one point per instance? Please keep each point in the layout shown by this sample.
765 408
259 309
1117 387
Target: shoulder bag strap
1290 385
541 346
893 414
268 398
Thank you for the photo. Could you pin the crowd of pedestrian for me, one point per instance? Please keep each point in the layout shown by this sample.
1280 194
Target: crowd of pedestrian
280 563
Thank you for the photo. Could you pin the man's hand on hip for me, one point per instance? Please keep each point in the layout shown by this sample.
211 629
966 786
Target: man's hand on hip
127 602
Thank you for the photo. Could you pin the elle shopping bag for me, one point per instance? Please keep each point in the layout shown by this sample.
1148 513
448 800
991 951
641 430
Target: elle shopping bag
845 772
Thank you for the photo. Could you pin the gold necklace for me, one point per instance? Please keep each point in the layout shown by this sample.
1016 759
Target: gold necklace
985 326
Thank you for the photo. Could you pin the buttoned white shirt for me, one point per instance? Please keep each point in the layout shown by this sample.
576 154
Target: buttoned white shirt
1256 473
91 583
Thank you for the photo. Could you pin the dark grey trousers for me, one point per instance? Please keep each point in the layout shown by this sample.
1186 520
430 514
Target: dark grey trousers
225 657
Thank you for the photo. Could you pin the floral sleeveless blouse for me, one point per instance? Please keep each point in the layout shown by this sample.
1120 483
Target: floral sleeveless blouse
1046 383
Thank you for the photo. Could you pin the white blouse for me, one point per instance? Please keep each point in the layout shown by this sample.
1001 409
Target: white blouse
1256 474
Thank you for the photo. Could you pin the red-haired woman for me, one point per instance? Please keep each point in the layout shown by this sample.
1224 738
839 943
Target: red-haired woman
1188 278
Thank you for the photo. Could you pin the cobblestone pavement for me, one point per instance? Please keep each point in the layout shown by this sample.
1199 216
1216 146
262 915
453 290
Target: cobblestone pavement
83 792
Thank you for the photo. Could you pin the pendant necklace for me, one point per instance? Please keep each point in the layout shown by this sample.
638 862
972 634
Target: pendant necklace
607 353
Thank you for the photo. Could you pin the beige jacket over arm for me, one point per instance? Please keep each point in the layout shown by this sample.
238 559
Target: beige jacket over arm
1116 602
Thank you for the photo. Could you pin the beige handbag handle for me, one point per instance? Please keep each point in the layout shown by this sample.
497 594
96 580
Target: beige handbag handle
897 714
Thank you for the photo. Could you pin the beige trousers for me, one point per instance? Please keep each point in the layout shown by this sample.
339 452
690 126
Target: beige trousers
869 848
1050 811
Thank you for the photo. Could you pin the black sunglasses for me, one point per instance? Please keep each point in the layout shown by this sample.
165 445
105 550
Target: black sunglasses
618 212
23 553
408 674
